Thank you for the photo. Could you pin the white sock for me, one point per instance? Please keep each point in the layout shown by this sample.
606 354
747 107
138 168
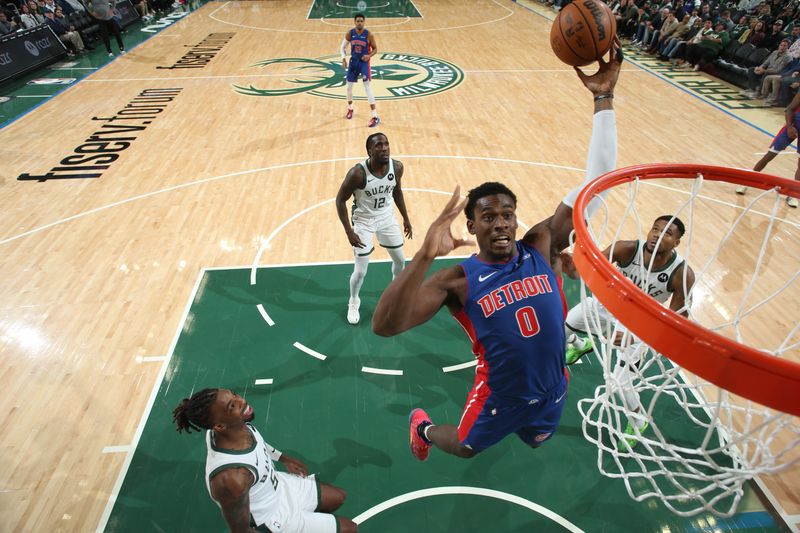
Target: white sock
350 106
425 432
374 113
357 277
580 343
350 94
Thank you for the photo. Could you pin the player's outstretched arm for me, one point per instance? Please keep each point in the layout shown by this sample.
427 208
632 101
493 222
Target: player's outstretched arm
551 236
355 179
231 488
411 300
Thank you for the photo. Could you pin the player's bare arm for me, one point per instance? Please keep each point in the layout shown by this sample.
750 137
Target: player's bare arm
399 200
410 299
373 46
678 302
231 488
293 466
356 179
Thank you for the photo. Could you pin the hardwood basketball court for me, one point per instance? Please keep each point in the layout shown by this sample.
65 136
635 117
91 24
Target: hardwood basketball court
233 159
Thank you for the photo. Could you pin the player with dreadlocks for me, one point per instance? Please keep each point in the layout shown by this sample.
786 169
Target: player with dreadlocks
241 478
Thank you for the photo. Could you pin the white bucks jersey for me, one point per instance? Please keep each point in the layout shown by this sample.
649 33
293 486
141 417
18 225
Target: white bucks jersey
375 200
655 283
266 491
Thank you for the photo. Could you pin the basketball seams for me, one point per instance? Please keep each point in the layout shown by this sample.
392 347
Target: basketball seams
591 26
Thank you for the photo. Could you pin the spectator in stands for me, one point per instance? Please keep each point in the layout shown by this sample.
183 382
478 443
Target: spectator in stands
775 84
646 16
725 18
630 22
678 10
707 49
795 34
668 29
653 27
6 26
72 6
677 50
29 20
627 11
765 15
66 33
775 36
756 35
740 28
774 63
143 9
49 5
103 11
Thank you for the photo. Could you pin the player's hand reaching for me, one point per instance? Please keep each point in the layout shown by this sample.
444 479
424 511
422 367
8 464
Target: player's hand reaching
605 79
407 228
294 466
439 240
354 239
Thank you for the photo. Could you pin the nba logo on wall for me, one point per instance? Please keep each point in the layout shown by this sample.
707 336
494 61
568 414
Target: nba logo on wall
394 76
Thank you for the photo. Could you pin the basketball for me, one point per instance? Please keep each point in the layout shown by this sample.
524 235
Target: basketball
583 32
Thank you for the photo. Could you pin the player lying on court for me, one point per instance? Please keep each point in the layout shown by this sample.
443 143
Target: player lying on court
657 268
241 477
507 298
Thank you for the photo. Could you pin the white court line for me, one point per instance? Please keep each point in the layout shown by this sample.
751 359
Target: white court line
418 9
265 315
511 12
101 526
309 351
34 96
190 78
387 4
475 491
324 21
528 70
323 161
383 371
267 381
117 449
150 358
460 366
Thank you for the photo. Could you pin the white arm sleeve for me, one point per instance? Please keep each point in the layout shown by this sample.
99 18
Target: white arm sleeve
602 156
342 48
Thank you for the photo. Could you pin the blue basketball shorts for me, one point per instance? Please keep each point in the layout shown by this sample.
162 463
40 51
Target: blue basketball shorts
358 69
486 421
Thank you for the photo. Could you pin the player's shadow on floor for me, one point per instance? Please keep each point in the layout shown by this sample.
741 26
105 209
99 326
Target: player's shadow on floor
350 454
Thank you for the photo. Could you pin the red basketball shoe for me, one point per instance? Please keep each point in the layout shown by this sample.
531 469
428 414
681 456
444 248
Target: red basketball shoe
374 121
349 114
419 447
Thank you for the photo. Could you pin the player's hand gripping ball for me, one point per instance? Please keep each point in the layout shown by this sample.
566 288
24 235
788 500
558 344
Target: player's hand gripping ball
583 32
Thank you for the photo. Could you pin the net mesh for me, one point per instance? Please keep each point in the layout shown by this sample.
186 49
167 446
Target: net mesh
667 433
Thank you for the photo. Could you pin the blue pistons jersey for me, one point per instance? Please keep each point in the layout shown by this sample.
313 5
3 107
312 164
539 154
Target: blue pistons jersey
359 45
514 315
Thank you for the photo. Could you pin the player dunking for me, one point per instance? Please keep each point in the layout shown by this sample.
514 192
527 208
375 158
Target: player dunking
242 480
374 185
362 48
783 139
657 268
507 298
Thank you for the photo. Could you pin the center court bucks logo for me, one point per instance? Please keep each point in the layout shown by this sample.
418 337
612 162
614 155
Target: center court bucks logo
394 76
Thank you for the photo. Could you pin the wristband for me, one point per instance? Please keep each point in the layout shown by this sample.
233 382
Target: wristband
603 96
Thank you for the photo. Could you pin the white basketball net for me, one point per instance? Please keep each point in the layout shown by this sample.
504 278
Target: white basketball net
702 443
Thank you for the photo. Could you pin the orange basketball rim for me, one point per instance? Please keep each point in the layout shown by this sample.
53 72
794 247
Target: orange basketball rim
759 376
